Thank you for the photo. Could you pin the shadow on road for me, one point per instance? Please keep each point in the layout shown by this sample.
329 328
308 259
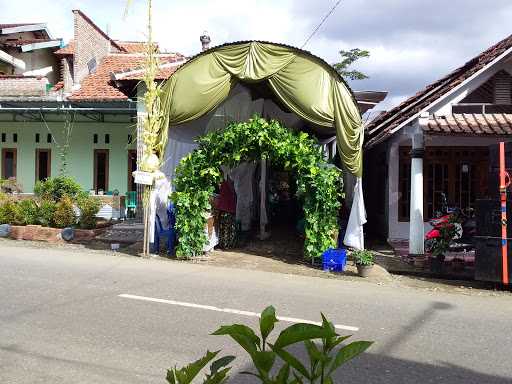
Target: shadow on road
82 366
378 369
415 324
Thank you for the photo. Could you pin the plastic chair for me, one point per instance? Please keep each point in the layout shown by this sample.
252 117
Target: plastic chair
131 203
169 232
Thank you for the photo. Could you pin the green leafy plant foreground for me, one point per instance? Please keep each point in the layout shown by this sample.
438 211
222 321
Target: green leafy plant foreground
275 363
318 185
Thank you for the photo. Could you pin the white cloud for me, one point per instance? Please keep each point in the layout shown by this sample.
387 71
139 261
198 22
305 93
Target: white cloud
411 42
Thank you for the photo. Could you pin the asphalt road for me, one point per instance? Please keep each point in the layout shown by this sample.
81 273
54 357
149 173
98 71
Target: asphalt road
62 320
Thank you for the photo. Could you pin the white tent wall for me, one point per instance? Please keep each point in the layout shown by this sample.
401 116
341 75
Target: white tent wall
239 106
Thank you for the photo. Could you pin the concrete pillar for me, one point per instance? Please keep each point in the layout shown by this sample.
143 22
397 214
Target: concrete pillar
416 224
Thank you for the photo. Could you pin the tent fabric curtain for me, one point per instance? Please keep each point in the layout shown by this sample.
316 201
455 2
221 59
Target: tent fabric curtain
304 85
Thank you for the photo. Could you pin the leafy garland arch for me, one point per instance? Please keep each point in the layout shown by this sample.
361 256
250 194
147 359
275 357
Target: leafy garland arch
318 184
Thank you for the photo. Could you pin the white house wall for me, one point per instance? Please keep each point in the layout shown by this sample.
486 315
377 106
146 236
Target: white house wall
400 230
445 107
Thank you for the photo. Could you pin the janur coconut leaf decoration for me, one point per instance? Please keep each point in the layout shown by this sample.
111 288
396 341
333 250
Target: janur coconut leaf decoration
154 119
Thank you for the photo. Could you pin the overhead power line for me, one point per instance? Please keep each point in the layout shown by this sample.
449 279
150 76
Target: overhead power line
321 23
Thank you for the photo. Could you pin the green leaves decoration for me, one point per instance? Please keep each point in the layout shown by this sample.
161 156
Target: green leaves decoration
319 186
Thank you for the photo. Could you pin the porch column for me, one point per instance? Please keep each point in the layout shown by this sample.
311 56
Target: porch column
416 225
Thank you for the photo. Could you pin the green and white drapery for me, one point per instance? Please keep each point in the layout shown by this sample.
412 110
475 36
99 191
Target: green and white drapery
304 83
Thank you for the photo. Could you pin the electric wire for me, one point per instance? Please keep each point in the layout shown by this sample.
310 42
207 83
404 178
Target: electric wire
321 23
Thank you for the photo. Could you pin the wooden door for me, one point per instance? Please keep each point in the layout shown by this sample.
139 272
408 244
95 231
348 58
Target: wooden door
43 164
101 170
9 162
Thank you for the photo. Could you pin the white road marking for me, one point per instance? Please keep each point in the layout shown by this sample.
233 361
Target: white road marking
229 310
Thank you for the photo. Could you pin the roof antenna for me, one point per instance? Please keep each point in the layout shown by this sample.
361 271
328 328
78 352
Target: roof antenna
205 40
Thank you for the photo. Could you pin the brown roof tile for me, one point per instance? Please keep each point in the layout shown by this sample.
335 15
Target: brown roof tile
99 86
470 124
133 46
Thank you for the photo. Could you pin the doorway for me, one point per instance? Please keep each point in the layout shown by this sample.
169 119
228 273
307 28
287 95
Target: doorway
9 162
43 164
101 170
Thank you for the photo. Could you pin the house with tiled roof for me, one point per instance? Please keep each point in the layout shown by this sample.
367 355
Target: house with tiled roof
27 61
436 144
88 84
86 99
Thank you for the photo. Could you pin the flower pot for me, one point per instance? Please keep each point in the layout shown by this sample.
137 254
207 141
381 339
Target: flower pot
364 270
437 264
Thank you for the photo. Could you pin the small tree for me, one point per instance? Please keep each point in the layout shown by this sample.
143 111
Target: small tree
64 145
347 59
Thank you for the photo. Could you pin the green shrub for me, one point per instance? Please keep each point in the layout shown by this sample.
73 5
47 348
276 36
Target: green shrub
10 185
10 213
27 212
363 257
64 215
89 207
324 359
54 188
7 211
46 212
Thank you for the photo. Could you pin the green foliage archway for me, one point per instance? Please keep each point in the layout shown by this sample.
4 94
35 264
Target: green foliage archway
319 185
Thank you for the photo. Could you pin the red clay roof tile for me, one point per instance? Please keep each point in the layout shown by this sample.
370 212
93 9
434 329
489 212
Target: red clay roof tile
491 124
99 86
69 49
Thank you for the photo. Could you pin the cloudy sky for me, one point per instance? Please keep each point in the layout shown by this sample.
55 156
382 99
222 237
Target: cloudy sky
412 42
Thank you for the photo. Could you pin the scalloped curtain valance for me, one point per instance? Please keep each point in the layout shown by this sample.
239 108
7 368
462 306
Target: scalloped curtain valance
304 85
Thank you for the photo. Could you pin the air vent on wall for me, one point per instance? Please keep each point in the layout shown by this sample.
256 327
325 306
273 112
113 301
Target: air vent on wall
503 88
91 65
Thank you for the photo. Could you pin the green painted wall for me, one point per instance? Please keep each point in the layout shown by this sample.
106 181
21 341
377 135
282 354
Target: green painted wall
81 152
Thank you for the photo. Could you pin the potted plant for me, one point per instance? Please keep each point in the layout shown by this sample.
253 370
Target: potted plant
364 261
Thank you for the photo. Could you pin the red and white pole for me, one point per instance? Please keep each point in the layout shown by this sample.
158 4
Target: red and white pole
504 183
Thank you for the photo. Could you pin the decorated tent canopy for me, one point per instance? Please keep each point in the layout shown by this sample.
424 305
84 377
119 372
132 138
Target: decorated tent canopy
290 79
304 83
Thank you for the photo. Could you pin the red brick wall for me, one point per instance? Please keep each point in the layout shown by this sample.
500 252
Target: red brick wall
90 43
23 86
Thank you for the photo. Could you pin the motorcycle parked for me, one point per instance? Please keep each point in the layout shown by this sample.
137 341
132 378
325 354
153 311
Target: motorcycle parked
452 230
